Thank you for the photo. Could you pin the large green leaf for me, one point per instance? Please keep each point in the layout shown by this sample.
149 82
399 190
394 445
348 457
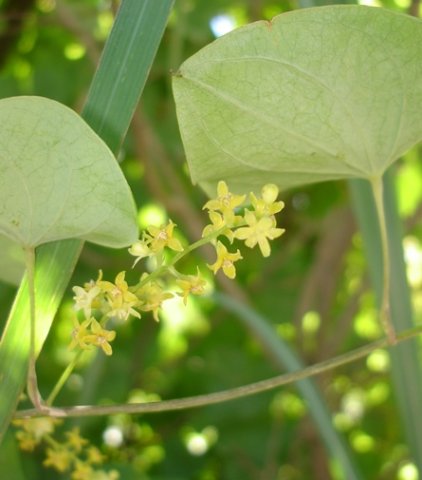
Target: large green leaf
12 261
317 94
58 179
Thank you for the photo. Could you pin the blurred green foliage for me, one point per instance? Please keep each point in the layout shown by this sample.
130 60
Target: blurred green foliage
314 289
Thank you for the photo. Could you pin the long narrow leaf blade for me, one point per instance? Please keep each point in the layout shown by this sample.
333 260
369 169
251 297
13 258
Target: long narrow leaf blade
406 370
125 64
113 96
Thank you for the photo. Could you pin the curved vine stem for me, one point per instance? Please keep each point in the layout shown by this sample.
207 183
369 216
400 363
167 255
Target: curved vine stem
225 395
385 317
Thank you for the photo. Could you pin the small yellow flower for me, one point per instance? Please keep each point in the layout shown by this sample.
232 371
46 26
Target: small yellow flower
269 193
103 475
75 440
226 202
140 250
151 296
217 223
79 334
267 205
258 232
58 458
160 237
94 456
100 337
225 261
82 471
37 427
27 442
90 297
191 284
121 301
84 297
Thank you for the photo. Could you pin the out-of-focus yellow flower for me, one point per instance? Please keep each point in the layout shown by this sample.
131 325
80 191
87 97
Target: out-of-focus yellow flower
82 471
59 458
75 440
160 237
37 428
258 232
94 456
226 202
191 284
225 261
102 475
27 441
151 296
33 430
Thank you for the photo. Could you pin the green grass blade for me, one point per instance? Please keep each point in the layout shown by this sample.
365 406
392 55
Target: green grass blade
286 359
11 465
55 263
125 64
406 369
112 99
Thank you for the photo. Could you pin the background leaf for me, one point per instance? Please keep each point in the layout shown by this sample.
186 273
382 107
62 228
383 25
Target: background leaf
406 370
58 179
287 359
306 97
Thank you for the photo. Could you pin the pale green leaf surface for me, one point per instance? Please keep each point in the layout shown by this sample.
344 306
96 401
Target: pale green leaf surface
12 261
317 94
58 179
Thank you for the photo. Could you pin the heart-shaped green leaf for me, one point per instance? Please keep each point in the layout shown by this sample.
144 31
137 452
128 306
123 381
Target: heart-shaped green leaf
316 94
58 179
12 261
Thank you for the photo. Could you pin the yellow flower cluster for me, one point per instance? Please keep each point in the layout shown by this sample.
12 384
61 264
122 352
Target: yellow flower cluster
74 455
256 226
99 303
102 301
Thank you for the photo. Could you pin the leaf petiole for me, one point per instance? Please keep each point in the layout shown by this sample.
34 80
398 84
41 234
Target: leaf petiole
32 383
384 310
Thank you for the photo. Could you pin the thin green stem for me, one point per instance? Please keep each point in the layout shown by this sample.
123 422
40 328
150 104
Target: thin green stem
385 316
193 246
225 395
63 378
